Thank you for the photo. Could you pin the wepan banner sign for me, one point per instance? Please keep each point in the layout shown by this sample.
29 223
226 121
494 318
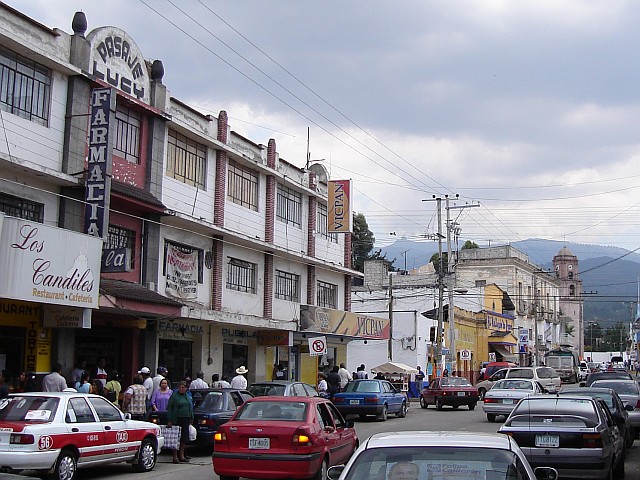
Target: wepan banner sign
47 264
339 206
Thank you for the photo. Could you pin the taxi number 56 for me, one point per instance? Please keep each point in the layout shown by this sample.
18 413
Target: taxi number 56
92 438
45 442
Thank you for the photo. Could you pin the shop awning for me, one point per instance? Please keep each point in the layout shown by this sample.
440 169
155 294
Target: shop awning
394 368
506 354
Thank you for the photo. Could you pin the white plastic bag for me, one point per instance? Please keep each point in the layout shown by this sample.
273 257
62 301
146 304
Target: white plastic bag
193 433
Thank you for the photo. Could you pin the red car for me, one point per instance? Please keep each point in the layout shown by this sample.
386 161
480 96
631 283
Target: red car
283 437
452 391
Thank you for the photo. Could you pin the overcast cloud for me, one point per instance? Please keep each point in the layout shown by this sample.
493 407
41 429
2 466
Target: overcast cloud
529 107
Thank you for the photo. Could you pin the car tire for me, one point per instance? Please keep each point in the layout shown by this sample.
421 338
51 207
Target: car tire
438 404
66 467
384 414
321 474
482 392
491 417
423 404
147 456
403 410
472 406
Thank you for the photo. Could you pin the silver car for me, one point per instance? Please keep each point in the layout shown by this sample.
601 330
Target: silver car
575 434
506 393
629 393
438 456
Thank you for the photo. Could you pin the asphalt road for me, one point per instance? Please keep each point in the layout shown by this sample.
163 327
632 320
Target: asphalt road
462 419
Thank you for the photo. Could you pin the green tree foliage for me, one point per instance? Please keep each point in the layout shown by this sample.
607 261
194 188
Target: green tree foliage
362 241
435 259
469 244
593 337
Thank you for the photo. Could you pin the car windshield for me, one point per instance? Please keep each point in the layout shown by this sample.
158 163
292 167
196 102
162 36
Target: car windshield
437 463
554 411
212 401
455 382
363 386
513 385
292 411
621 388
28 409
262 389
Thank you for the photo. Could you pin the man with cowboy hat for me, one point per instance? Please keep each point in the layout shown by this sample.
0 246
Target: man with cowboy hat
239 381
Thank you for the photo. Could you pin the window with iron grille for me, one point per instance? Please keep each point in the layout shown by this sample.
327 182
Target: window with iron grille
25 87
186 160
241 275
327 295
322 224
126 141
289 206
242 185
21 208
287 286
120 237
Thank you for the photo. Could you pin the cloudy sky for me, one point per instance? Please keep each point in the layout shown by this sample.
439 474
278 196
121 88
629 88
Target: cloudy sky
529 109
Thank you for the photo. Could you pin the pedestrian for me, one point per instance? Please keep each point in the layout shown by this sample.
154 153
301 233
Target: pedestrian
361 373
97 388
147 382
345 376
4 387
100 371
83 385
379 376
160 400
27 382
161 372
180 412
323 386
113 387
217 383
419 379
54 382
445 373
240 381
637 368
81 366
199 382
134 401
333 380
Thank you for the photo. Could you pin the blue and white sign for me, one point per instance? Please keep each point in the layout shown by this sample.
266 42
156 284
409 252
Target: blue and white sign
523 340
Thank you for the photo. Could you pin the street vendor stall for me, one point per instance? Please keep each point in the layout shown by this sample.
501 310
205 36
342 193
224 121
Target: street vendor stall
399 374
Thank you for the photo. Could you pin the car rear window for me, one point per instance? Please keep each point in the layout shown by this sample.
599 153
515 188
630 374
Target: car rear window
293 411
262 389
28 408
212 401
621 388
546 372
437 463
513 385
363 386
455 382
520 373
555 411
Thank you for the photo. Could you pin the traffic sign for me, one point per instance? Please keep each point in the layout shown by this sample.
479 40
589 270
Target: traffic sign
317 346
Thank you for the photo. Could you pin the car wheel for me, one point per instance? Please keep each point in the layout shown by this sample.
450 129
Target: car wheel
423 404
384 414
321 474
472 406
491 417
146 457
403 411
482 391
66 466
438 404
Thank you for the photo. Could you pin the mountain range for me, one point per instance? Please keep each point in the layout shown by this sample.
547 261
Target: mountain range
610 275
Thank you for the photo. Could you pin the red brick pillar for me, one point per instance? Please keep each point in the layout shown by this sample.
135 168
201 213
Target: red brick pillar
221 172
270 193
268 285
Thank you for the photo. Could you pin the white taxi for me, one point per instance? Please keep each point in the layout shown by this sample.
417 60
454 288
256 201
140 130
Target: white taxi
61 432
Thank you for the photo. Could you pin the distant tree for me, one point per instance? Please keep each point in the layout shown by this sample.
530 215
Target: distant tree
435 259
469 244
615 338
362 241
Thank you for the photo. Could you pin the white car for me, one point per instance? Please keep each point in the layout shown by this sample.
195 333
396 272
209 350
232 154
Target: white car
439 456
583 371
506 393
61 432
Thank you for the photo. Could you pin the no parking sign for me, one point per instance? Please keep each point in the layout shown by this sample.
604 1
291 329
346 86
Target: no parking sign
317 346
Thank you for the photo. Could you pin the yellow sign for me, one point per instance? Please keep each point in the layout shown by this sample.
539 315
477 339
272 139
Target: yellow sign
338 322
339 206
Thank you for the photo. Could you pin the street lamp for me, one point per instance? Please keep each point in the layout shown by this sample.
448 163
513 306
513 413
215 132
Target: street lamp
591 325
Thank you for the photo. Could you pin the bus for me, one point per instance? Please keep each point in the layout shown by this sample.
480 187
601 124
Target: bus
565 362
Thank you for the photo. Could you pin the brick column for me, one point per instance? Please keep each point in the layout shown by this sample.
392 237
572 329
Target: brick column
347 293
221 173
311 285
270 193
311 227
217 282
268 285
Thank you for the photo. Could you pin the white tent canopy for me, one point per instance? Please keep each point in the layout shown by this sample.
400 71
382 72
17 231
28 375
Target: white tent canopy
394 368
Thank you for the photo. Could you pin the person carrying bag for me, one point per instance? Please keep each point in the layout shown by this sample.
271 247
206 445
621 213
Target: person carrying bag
180 412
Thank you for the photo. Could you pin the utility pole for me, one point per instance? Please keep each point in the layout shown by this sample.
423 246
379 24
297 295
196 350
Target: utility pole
440 285
390 317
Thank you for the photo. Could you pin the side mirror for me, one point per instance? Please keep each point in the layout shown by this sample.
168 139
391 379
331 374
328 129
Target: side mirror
334 472
127 416
546 473
350 424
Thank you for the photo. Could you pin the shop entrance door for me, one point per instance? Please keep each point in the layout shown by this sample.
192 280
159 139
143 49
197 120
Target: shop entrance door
176 356
233 356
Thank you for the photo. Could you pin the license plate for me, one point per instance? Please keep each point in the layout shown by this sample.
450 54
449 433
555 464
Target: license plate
354 402
259 443
507 401
461 394
547 440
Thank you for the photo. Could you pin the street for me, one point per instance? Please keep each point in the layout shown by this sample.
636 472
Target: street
462 419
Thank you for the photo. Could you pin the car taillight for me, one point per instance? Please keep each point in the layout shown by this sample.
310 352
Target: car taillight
153 420
301 438
21 439
220 437
491 400
371 400
208 422
638 404
591 440
337 400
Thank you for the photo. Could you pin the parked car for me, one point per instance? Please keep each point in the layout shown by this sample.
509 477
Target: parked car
214 409
439 456
575 434
506 393
547 376
451 391
493 367
485 385
629 394
61 432
283 437
619 411
606 375
282 388
371 397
